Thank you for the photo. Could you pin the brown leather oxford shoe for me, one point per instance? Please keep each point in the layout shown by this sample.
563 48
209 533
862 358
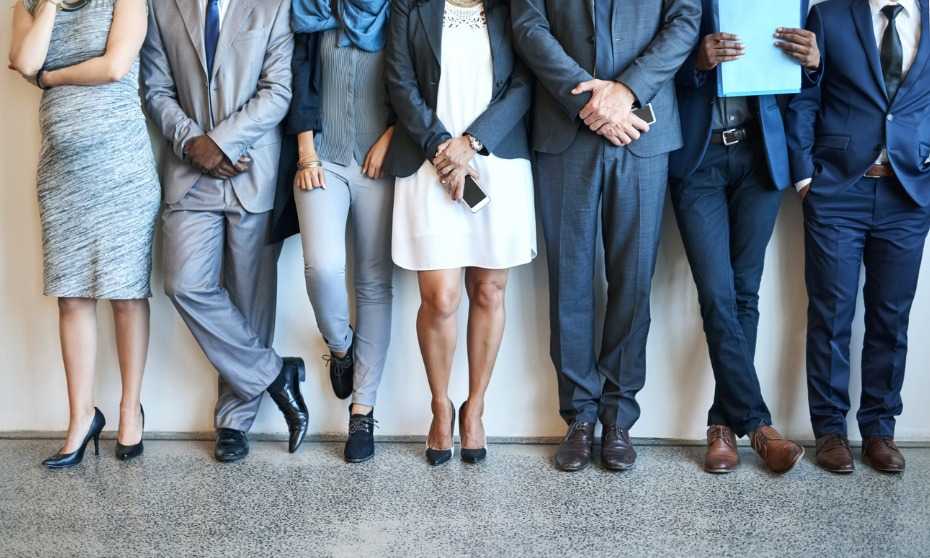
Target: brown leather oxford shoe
574 453
834 455
721 456
617 452
882 454
780 455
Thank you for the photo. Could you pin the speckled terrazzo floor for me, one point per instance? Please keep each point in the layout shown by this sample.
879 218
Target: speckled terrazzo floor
176 501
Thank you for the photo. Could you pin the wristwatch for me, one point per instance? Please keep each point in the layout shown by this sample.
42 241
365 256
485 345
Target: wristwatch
475 143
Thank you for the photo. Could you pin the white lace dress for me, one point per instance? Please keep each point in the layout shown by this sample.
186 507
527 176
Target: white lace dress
430 230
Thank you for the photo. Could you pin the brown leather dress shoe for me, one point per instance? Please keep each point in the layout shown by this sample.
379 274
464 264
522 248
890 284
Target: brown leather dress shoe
882 454
617 453
780 455
721 456
574 453
834 455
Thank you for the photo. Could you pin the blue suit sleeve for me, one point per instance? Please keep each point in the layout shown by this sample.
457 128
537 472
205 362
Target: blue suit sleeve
802 114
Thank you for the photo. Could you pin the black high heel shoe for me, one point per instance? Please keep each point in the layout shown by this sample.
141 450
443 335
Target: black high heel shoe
125 453
470 455
66 460
437 457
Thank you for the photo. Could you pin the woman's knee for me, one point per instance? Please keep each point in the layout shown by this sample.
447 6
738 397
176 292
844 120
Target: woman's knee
71 305
442 301
487 292
127 307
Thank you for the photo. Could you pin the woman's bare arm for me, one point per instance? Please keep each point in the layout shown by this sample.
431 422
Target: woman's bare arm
127 32
30 37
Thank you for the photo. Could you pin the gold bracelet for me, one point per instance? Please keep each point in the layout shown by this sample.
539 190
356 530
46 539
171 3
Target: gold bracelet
304 165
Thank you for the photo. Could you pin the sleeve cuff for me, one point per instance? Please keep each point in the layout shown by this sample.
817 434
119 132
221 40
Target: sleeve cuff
801 184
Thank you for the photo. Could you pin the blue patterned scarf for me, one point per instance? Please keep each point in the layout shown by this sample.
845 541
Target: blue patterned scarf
363 22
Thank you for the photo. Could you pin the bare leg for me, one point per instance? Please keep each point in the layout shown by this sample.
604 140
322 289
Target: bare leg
77 328
486 317
132 343
440 294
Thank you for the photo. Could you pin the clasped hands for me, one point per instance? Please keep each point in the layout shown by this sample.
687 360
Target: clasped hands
204 154
452 163
609 112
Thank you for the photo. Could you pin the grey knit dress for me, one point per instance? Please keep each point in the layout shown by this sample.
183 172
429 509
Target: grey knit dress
98 189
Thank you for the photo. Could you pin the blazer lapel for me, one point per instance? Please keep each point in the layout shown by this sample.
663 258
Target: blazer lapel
193 21
236 15
431 13
862 15
923 53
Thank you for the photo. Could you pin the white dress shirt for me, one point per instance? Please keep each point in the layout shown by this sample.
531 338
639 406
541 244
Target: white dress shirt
908 25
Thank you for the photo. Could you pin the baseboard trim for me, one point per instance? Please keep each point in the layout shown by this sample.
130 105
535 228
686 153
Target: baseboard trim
339 437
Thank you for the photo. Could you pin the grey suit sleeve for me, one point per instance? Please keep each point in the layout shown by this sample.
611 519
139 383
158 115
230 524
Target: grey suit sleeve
555 70
418 119
668 51
272 99
159 94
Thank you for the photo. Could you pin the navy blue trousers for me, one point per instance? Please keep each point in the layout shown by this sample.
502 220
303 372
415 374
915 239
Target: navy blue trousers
726 211
876 223
590 184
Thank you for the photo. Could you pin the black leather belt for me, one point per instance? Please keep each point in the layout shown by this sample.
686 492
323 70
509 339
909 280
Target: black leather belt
731 137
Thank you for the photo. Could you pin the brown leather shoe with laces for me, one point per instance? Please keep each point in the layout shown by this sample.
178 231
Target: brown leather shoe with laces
780 455
721 456
834 455
882 454
574 453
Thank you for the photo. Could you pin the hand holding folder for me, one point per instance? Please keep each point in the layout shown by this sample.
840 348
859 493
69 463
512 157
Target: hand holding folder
763 68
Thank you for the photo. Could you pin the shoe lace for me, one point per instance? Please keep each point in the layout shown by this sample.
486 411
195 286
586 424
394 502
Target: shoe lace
719 433
576 430
362 424
338 365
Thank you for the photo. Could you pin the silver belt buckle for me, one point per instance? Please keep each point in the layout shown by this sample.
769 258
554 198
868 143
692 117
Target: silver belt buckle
727 134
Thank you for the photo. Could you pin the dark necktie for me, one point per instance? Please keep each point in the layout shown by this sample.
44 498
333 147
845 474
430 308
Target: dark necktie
892 52
211 33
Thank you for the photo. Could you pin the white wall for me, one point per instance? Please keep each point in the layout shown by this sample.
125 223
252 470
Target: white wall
180 384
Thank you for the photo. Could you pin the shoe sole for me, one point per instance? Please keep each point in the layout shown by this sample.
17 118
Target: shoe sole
362 460
719 471
233 460
573 469
895 471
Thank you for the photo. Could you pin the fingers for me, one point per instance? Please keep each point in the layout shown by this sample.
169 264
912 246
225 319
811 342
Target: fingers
638 124
585 87
318 178
590 108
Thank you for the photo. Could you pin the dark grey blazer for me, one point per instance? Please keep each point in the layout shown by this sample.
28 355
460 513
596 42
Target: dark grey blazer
413 70
652 39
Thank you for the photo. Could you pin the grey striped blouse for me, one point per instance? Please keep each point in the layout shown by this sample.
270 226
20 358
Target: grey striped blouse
355 104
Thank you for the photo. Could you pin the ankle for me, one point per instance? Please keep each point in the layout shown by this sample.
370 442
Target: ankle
359 409
79 416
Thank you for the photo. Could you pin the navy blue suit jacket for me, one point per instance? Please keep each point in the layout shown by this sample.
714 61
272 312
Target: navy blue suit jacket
697 92
837 130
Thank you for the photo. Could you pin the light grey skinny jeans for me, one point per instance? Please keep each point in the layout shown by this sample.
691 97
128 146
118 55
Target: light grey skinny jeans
364 206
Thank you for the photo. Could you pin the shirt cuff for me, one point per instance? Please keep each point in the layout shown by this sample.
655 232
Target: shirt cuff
801 184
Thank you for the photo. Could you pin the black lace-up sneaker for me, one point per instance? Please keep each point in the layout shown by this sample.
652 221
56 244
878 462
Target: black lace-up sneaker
342 371
361 443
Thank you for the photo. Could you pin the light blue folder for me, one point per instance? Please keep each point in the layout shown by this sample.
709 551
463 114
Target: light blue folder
764 69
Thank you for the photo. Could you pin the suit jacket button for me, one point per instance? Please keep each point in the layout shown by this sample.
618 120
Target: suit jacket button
890 117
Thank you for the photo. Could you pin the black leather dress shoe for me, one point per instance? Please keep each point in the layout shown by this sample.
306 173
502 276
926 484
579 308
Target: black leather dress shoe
360 446
285 392
574 453
231 445
617 453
